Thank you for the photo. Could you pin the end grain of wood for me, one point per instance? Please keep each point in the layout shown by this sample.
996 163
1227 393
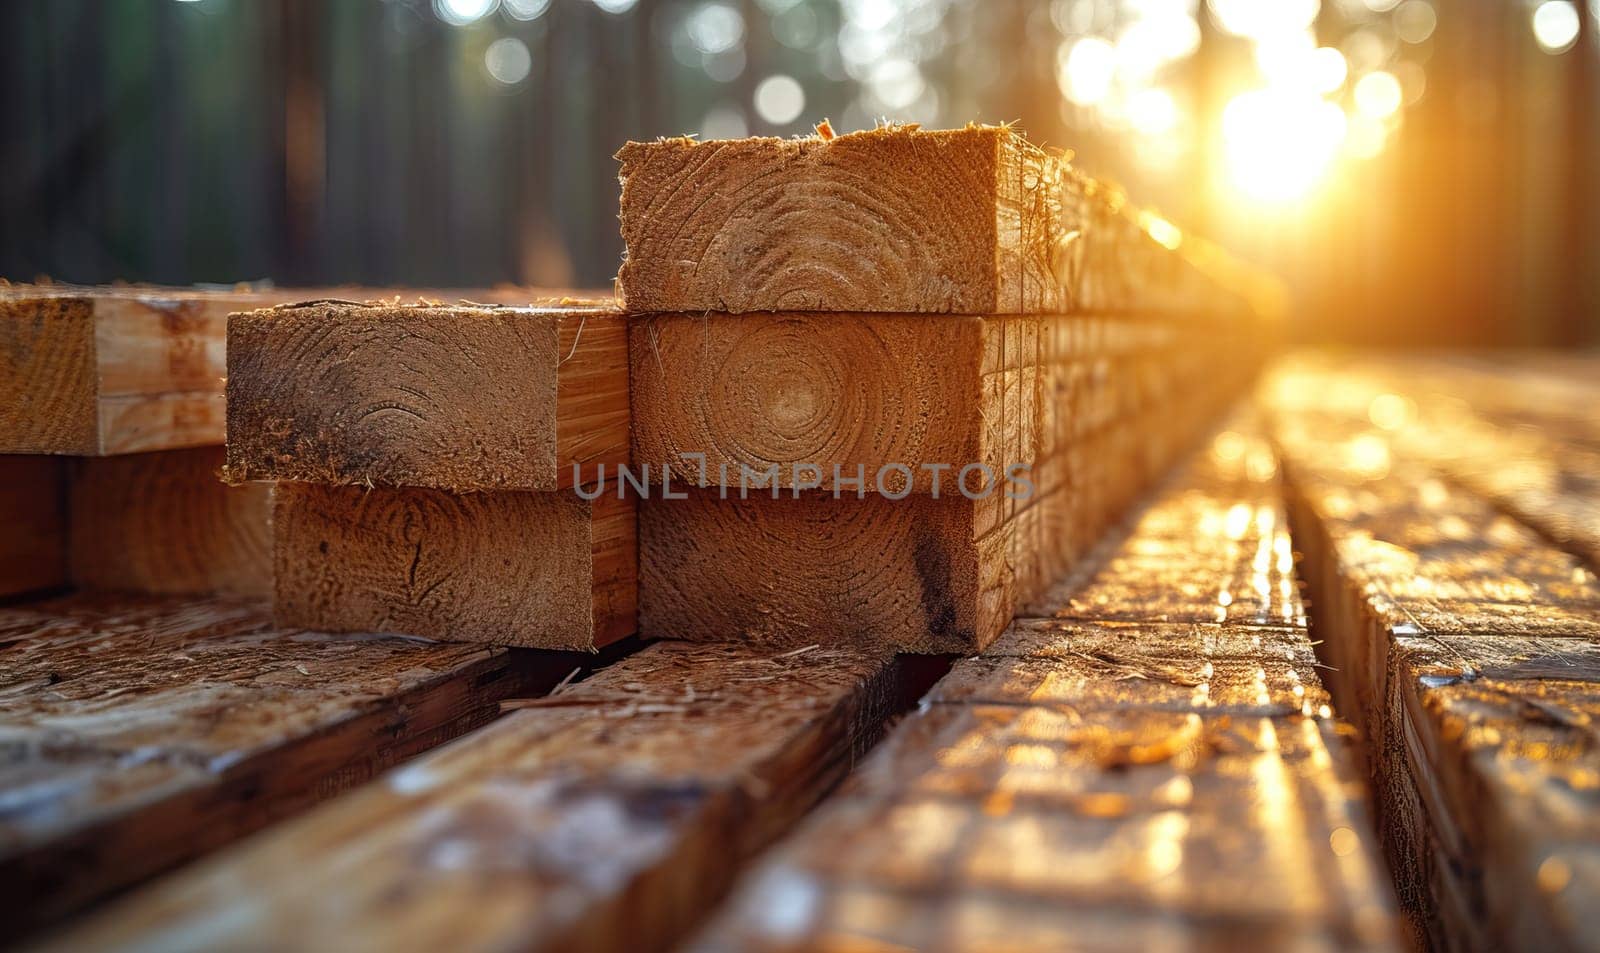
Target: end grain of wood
446 397
895 219
33 511
527 568
165 522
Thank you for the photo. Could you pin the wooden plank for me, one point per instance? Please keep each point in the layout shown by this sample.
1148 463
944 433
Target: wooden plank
141 732
102 371
1530 444
95 371
851 394
457 398
847 394
1216 535
33 548
1095 828
47 386
606 817
1221 670
1098 783
918 574
539 569
1109 403
965 221
1469 642
166 523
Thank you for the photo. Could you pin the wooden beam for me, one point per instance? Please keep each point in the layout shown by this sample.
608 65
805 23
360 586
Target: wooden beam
1523 434
1094 426
146 731
96 371
917 574
1191 773
607 817
166 523
827 390
447 397
540 569
92 372
966 221
1239 571
1183 830
1466 642
33 549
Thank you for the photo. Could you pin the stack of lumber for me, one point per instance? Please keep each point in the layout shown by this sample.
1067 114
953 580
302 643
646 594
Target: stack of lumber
111 434
143 731
1165 775
848 349
1145 760
111 428
607 816
1447 508
430 464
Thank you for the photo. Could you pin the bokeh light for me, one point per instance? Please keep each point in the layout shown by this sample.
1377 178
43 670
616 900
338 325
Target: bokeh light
1087 70
1378 94
463 12
525 9
508 61
780 100
1555 25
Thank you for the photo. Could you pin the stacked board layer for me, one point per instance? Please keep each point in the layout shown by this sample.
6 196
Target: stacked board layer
1167 774
143 731
127 380
431 465
896 219
1147 759
945 361
1447 506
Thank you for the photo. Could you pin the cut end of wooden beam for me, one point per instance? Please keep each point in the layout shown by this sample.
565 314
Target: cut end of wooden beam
446 397
812 224
894 219
98 371
918 574
48 388
544 570
166 523
854 391
103 371
33 510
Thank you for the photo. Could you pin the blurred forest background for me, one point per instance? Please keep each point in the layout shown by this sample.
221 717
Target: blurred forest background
1419 171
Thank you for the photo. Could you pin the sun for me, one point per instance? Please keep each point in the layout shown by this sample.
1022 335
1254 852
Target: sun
1278 145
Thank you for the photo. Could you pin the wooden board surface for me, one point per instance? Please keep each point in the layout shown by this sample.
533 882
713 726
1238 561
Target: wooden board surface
33 510
447 397
966 221
141 732
1526 438
537 569
606 817
1468 638
1144 780
165 523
